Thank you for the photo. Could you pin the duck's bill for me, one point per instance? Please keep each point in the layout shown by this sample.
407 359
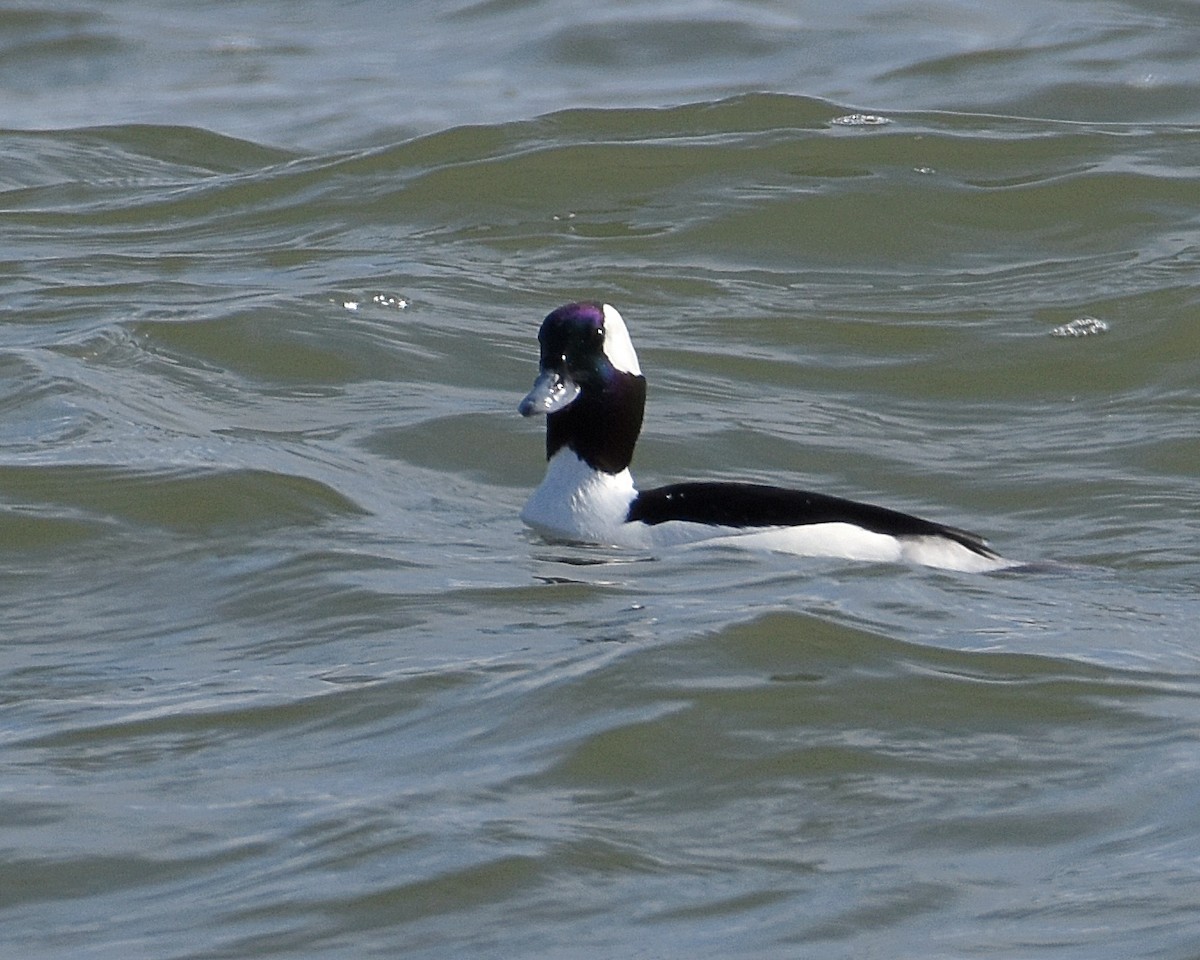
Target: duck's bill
551 392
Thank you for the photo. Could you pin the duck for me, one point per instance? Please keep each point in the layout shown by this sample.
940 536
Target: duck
591 390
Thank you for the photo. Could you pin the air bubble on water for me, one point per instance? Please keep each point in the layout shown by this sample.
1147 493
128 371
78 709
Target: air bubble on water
1080 327
378 299
860 120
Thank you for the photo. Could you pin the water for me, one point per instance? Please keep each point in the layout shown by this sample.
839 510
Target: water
282 674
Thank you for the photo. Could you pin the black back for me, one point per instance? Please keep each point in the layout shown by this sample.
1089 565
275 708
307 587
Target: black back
759 505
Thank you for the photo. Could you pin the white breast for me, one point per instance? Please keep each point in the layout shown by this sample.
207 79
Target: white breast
577 502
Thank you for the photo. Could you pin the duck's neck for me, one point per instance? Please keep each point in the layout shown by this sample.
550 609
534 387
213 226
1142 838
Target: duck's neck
602 424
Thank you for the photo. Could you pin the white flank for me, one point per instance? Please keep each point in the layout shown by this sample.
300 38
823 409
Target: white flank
948 555
843 540
617 345
849 542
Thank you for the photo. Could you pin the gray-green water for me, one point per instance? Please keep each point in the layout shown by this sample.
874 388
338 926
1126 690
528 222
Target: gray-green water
281 674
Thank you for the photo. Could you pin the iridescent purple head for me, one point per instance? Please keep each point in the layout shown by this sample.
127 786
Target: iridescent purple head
582 345
590 386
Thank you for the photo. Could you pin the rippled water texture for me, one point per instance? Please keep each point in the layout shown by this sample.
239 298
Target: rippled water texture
281 673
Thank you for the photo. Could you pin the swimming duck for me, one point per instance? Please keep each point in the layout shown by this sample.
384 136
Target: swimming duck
592 393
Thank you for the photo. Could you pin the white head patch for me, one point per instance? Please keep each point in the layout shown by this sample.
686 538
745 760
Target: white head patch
617 345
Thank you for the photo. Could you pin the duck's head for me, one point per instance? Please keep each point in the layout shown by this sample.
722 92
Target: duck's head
590 387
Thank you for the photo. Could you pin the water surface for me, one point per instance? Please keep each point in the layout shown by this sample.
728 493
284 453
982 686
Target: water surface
284 676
